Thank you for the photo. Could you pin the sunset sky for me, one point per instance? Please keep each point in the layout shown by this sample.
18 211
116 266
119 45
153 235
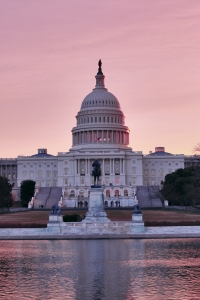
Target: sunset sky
49 51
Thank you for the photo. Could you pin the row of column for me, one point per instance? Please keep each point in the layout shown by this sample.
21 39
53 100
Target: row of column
101 136
8 171
78 166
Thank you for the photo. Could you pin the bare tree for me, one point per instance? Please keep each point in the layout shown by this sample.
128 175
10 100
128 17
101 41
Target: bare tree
155 193
197 148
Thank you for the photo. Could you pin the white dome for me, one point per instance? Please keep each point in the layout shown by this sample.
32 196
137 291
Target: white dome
100 98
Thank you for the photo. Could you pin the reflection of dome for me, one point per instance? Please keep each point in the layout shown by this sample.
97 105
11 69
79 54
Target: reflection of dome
100 118
100 98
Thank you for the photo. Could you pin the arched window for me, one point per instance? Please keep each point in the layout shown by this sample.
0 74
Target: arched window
125 193
72 194
116 193
108 193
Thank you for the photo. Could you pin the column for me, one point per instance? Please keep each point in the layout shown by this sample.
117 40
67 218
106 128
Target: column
75 166
92 136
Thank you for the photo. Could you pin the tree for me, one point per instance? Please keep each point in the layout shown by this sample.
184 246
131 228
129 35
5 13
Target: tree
27 189
155 193
197 147
182 187
5 192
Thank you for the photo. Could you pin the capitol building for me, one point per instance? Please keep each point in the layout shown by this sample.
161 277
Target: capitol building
100 133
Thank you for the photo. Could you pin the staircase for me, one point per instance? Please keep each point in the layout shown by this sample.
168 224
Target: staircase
143 196
54 197
41 197
154 194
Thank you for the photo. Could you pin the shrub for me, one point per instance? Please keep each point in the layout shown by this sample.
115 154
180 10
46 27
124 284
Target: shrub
71 218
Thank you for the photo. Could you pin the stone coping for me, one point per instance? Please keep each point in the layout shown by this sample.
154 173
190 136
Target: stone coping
150 233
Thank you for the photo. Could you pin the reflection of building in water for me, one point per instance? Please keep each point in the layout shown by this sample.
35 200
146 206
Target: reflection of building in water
106 268
100 133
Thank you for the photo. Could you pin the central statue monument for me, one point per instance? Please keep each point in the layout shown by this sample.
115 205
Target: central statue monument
96 172
96 211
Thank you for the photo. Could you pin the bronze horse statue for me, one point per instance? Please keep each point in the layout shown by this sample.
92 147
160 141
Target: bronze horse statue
96 171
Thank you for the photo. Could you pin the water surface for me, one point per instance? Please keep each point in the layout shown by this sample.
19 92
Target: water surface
100 269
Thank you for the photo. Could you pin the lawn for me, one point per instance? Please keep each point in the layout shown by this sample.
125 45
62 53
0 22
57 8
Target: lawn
150 217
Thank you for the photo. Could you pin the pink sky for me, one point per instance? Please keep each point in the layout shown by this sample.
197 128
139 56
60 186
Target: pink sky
49 50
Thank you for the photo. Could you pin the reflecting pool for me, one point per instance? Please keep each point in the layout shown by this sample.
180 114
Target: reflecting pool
100 269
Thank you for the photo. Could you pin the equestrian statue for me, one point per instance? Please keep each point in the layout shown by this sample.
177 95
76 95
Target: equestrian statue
96 171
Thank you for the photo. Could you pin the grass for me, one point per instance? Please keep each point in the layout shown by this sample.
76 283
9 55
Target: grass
150 217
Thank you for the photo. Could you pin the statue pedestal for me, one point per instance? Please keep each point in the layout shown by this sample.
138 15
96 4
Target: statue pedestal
96 211
137 224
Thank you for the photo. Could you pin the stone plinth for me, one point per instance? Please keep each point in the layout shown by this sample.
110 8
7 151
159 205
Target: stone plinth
55 223
96 211
137 224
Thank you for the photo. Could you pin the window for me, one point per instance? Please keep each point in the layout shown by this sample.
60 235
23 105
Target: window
134 170
125 193
116 193
117 170
107 171
107 180
108 193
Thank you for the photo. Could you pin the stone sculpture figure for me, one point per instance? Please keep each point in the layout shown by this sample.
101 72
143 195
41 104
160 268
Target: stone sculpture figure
137 209
96 171
55 210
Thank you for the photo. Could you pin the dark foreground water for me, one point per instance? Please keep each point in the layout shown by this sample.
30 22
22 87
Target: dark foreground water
100 269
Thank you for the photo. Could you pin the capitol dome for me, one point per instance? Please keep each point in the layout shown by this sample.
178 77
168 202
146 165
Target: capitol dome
100 118
102 98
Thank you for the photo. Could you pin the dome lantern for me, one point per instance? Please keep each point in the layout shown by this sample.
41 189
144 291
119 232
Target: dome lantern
99 77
